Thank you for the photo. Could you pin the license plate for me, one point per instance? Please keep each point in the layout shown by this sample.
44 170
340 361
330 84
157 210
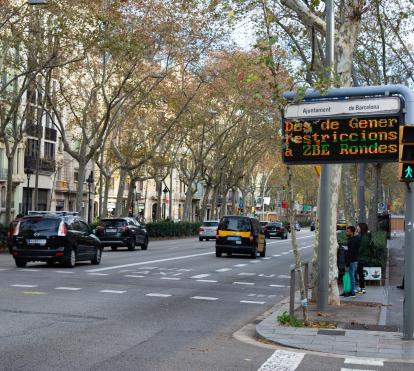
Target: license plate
233 238
36 242
111 230
238 242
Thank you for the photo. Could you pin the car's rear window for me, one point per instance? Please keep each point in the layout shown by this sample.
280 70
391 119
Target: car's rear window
210 224
113 223
278 225
234 224
43 226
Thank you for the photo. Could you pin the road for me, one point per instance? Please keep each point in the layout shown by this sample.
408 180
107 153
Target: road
173 307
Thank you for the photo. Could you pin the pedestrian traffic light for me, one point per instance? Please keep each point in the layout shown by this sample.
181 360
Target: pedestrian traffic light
406 154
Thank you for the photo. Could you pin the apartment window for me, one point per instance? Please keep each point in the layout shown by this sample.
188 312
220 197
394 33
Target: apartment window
31 148
140 185
50 151
59 172
18 155
76 175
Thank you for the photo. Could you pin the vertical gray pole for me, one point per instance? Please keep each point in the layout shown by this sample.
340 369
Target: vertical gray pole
408 314
324 192
361 192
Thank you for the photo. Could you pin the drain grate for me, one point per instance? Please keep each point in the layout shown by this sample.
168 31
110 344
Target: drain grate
331 332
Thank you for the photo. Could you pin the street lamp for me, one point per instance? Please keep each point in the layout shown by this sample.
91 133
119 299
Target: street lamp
165 191
28 171
90 182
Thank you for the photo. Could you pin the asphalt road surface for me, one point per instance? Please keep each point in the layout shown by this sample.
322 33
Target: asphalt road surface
173 307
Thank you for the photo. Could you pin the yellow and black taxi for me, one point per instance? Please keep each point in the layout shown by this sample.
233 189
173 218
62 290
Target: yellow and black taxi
341 225
240 235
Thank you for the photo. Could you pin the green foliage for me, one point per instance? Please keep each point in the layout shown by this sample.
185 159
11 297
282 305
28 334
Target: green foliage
168 229
287 320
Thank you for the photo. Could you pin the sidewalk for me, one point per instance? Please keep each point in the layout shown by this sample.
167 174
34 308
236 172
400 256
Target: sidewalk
367 326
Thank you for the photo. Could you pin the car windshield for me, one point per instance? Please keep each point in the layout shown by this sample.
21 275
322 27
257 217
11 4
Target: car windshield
263 223
42 226
277 225
235 224
210 224
113 223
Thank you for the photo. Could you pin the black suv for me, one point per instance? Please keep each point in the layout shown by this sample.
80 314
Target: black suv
54 237
276 229
127 232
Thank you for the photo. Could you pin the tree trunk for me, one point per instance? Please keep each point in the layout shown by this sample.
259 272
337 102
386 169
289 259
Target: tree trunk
159 200
233 202
9 191
295 246
203 209
214 204
347 188
79 190
375 191
120 195
130 200
105 196
223 208
188 201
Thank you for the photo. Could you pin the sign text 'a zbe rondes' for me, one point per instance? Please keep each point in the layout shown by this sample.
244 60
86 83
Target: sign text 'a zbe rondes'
363 137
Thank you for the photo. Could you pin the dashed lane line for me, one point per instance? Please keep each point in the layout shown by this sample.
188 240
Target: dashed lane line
25 286
252 302
244 283
133 276
29 270
354 369
171 278
285 252
204 298
223 270
149 262
282 360
364 361
201 275
276 255
239 265
155 294
283 276
246 274
68 288
112 291
266 258
98 274
278 286
209 281
65 272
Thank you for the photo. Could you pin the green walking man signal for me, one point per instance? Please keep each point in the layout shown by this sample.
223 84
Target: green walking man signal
406 154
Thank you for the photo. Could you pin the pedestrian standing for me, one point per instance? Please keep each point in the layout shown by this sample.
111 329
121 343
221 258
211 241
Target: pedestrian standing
353 249
363 254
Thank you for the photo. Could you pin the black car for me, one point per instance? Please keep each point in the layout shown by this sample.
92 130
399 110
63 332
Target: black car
54 237
116 232
276 229
313 226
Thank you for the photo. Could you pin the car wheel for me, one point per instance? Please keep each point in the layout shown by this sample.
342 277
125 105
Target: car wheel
218 253
50 263
20 263
71 260
97 258
131 245
229 254
253 254
207 239
200 239
114 248
145 245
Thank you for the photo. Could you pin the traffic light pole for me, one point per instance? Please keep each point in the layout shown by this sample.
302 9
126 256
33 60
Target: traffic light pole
408 95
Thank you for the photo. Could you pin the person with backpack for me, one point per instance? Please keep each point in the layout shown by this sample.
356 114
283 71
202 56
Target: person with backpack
352 259
365 245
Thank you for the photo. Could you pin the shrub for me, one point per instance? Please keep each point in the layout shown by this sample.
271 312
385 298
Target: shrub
286 319
169 229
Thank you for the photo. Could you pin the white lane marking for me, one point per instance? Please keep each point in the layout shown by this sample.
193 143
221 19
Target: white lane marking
98 274
201 276
184 270
283 276
246 274
243 283
252 302
203 298
151 261
277 285
154 294
285 252
3 269
266 258
171 278
68 288
354 369
142 272
282 360
276 255
150 268
112 291
212 281
177 274
29 270
364 361
239 265
267 276
223 270
27 286
133 276
65 272
254 261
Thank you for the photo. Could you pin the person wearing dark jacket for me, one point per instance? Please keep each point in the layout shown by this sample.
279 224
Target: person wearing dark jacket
353 249
363 254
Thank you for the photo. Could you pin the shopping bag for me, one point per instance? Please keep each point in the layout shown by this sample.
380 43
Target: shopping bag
346 280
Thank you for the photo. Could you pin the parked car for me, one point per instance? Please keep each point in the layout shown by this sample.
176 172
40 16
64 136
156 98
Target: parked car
54 237
240 235
276 229
117 232
208 230
312 226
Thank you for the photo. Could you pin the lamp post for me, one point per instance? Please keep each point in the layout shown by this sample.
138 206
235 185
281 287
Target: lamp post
90 182
28 171
165 191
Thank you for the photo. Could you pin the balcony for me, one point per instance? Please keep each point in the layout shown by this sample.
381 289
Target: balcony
50 134
31 130
45 165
